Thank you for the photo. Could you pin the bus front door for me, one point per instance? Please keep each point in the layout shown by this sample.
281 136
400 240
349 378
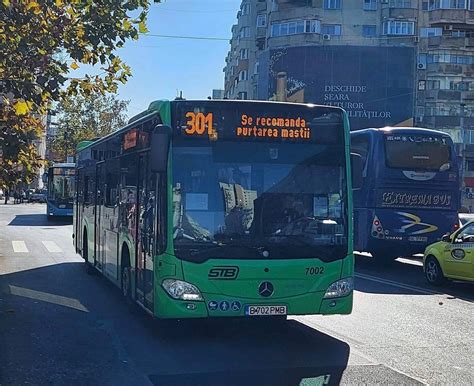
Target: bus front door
146 233
99 202
79 202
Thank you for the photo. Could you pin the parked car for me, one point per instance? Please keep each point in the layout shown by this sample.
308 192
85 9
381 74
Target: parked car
452 257
38 196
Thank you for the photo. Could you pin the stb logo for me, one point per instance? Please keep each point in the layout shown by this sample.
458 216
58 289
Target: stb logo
223 273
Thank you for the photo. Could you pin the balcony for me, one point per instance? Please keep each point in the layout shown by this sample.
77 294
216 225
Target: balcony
451 16
295 40
399 13
261 32
443 95
294 14
261 6
467 95
441 121
445 68
446 42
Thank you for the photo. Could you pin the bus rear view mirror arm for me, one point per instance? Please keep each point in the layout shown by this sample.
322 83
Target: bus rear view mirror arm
160 145
356 170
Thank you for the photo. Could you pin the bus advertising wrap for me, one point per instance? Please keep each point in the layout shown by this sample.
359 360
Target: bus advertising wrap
373 84
397 198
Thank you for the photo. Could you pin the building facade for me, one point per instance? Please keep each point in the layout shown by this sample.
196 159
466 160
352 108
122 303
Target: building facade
386 62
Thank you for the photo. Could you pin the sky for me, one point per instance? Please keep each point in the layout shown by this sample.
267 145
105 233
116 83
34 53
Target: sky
161 66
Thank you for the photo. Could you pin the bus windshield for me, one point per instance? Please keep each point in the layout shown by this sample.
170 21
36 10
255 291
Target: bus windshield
259 200
61 188
412 152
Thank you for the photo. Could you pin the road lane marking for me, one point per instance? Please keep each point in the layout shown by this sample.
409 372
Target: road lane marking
417 263
19 247
47 297
51 246
408 287
397 284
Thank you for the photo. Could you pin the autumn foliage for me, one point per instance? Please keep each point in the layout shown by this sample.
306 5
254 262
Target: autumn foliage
41 44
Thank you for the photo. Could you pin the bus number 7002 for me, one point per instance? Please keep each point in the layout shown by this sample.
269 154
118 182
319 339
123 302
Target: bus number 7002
314 270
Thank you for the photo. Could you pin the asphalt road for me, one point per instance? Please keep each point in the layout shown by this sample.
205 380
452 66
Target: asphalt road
60 326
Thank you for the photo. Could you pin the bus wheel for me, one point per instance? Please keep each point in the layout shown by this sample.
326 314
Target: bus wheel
126 278
85 255
433 272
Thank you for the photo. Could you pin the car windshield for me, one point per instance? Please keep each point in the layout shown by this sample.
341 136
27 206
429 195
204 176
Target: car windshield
258 201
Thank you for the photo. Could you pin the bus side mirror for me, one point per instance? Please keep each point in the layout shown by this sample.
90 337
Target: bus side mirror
356 170
160 145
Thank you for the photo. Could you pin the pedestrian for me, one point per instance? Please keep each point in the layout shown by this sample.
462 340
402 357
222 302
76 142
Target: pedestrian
22 196
7 195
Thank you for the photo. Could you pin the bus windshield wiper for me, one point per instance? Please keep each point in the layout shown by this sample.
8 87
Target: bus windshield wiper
228 249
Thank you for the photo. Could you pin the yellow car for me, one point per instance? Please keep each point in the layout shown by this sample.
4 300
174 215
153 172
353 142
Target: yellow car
452 257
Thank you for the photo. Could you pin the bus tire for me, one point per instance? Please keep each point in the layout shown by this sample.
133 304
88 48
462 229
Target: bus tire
85 254
433 272
126 275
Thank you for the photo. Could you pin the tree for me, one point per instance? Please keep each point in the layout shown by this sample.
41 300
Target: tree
83 118
40 42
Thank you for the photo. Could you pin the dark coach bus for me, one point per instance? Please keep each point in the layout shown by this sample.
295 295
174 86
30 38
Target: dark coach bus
410 192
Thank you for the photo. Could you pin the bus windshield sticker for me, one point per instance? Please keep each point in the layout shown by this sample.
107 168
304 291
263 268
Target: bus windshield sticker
135 138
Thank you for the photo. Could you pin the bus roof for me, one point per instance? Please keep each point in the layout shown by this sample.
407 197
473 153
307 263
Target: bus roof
64 165
393 129
156 106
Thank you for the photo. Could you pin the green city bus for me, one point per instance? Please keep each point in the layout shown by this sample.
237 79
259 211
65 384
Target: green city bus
221 208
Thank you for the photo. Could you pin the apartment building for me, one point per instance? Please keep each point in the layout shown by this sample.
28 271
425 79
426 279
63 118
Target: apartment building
387 62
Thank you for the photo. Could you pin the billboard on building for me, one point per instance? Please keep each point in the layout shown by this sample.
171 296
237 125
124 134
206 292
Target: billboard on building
374 85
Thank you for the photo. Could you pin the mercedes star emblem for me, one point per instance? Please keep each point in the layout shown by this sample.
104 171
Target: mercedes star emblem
265 289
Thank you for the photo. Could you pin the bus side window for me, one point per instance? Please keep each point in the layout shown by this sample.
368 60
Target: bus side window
86 190
361 146
161 195
111 183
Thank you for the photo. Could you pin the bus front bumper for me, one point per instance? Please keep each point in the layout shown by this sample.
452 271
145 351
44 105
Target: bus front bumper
219 306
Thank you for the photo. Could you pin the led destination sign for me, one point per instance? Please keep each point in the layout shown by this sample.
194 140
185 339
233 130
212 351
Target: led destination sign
258 122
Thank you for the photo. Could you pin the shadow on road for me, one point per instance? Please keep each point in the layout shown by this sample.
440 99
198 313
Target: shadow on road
78 328
39 220
402 278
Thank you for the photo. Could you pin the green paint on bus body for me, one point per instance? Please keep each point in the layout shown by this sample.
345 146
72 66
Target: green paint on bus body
83 144
300 292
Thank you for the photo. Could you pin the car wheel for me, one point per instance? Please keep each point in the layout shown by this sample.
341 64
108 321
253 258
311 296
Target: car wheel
433 272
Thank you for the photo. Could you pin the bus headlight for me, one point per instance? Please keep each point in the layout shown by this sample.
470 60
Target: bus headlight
340 288
181 290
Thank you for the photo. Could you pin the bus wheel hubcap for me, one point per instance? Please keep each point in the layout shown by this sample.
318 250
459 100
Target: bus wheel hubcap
125 282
